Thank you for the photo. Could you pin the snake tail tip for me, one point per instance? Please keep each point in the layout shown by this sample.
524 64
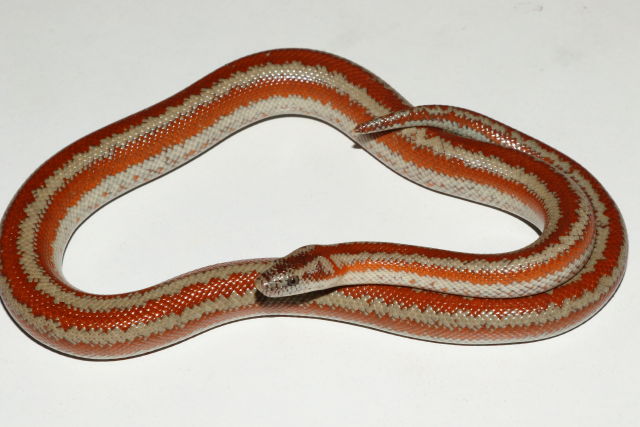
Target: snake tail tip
363 128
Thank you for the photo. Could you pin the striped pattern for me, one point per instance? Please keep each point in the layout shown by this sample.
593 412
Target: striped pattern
539 291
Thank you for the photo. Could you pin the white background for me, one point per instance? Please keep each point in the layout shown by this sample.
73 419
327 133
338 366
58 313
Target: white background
565 72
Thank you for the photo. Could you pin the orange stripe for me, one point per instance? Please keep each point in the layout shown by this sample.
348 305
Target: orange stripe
194 294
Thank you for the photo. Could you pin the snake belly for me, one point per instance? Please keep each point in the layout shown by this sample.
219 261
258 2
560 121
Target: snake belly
536 292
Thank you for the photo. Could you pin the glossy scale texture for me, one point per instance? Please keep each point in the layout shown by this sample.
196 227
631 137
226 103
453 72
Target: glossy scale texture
539 291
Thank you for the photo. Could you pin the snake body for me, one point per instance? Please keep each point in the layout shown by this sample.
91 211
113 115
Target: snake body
539 291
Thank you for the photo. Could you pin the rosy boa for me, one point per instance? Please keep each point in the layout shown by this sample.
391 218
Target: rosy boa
539 291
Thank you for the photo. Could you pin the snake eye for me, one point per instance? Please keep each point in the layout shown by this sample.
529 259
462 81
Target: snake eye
293 280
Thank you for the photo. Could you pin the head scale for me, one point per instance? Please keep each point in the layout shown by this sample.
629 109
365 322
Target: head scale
304 270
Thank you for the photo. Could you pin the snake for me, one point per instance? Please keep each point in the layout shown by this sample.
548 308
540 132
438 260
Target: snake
542 290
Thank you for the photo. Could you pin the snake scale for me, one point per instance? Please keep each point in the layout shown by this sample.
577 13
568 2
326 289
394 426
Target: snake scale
539 291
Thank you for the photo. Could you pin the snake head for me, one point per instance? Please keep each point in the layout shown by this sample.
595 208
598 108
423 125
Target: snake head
302 271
